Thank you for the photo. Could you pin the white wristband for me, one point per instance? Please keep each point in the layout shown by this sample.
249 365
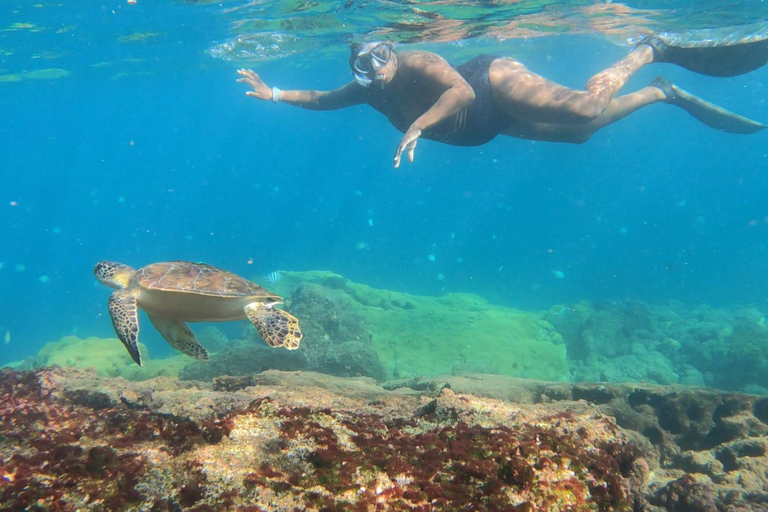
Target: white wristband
275 95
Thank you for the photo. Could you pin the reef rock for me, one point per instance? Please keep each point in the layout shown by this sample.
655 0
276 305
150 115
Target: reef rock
621 341
416 336
74 441
335 341
106 356
70 440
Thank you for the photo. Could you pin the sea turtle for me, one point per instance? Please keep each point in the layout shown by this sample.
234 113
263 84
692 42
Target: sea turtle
175 292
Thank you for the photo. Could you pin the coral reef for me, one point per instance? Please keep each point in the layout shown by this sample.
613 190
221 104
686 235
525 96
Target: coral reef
65 446
336 342
106 356
457 333
355 330
665 344
70 440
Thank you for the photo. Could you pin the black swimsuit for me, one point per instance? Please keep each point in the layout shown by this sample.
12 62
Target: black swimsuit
481 121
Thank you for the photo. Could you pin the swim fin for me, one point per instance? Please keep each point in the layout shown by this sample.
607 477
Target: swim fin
706 112
727 51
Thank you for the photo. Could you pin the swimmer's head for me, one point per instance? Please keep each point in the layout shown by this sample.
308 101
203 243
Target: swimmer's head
369 63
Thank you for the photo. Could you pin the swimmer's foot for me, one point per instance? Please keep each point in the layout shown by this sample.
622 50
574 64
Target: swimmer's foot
727 51
706 112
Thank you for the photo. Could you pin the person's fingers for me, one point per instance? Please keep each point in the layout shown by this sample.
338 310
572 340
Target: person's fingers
410 152
248 76
398 154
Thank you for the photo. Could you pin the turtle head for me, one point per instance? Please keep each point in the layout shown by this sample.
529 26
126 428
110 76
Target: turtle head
113 274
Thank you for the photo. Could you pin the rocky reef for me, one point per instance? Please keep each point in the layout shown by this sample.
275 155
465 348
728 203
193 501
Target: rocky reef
71 440
106 356
353 330
621 341
336 341
456 333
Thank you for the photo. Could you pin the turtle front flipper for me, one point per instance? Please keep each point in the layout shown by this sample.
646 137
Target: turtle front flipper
179 336
278 328
124 311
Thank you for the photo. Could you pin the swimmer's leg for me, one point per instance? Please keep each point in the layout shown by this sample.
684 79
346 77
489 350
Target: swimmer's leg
617 109
660 90
531 98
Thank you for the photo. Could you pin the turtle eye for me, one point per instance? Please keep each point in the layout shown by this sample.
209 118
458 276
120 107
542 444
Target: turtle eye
105 270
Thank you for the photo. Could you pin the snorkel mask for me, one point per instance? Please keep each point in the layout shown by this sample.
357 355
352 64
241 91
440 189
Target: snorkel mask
368 59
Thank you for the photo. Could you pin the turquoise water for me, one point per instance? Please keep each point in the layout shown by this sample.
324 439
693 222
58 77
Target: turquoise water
125 136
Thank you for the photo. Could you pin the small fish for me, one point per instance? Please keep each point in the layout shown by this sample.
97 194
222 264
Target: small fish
361 245
558 274
7 338
431 257
274 277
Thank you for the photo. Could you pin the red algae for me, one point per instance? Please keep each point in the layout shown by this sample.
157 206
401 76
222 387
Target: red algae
84 448
73 441
63 452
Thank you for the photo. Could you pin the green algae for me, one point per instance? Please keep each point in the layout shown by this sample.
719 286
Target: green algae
454 334
106 356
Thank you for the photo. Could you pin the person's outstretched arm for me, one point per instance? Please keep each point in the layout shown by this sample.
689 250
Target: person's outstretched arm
346 96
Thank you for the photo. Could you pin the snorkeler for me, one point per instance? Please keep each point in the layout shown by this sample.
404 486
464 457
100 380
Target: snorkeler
422 95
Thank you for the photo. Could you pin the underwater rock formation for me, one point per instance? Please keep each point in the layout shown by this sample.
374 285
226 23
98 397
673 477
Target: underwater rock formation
335 341
456 333
355 330
351 329
106 356
620 341
70 440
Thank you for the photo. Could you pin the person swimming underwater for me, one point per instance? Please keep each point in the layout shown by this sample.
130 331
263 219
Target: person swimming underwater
422 95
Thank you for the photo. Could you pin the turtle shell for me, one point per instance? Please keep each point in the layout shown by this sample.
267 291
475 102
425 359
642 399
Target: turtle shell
189 277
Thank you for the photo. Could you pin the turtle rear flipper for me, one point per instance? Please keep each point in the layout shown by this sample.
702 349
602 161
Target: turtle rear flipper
278 328
124 311
708 113
179 336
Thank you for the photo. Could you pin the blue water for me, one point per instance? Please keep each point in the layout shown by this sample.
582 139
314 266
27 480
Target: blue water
149 150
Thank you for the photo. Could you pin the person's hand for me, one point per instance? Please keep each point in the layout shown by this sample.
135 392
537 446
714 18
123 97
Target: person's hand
407 144
260 90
